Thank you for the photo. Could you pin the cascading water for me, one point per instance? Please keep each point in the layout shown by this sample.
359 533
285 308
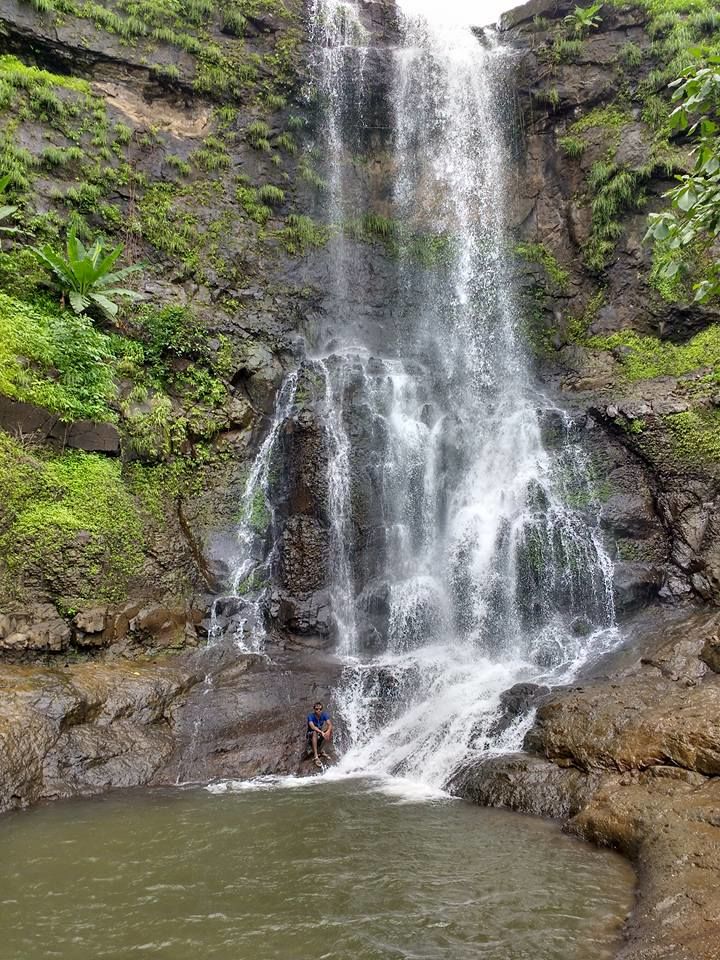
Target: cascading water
242 612
489 573
484 564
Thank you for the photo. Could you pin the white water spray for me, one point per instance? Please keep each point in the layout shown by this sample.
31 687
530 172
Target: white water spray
489 574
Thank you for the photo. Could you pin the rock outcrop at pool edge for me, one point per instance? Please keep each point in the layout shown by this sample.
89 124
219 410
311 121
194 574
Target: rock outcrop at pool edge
628 758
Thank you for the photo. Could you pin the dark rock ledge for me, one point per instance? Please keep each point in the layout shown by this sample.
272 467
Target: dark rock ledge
630 759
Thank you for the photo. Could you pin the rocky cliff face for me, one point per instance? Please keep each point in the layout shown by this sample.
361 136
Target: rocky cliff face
192 142
626 349
189 137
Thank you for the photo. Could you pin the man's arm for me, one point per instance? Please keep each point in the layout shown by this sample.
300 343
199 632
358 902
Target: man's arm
327 727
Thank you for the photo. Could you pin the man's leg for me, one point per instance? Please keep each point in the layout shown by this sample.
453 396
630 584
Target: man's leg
314 740
323 743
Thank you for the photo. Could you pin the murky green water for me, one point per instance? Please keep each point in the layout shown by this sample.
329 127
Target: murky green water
337 871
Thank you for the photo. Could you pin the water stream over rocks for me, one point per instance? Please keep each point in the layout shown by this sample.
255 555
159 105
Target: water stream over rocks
461 524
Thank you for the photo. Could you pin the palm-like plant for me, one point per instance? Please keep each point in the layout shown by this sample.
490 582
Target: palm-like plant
86 276
584 19
6 210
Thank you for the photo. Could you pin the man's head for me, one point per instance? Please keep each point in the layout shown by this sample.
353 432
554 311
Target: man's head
318 708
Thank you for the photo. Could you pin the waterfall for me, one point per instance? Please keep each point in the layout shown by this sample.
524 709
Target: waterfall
241 614
464 552
492 569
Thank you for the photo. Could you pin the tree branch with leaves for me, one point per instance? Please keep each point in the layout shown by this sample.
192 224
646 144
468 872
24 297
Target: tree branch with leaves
692 225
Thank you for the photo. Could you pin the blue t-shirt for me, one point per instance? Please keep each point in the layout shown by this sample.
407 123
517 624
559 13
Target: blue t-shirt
318 721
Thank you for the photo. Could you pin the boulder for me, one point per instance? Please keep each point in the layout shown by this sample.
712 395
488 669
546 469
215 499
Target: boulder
248 718
159 625
515 703
37 627
81 729
710 653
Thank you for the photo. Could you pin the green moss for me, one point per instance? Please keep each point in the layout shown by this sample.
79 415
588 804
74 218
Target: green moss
644 358
695 436
66 516
22 75
576 328
258 513
253 583
55 359
539 253
20 271
611 117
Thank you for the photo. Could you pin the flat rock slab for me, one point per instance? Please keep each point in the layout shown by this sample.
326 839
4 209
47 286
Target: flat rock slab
26 419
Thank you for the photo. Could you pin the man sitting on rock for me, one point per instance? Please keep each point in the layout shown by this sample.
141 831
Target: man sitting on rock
319 732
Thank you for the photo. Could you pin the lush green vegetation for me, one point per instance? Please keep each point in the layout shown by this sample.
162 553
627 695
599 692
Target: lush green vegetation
69 511
695 437
685 35
584 19
52 358
693 222
538 253
208 30
6 210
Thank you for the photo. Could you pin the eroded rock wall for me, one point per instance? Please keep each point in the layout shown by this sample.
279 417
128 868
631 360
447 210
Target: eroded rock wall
629 352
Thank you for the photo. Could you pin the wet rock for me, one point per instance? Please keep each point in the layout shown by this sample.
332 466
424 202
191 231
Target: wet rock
662 707
162 626
515 703
26 419
91 620
304 556
85 728
635 584
631 762
308 617
37 627
710 653
249 718
527 783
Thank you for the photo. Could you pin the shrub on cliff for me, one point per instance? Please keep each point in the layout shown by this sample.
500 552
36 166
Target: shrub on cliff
584 19
692 225
86 275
